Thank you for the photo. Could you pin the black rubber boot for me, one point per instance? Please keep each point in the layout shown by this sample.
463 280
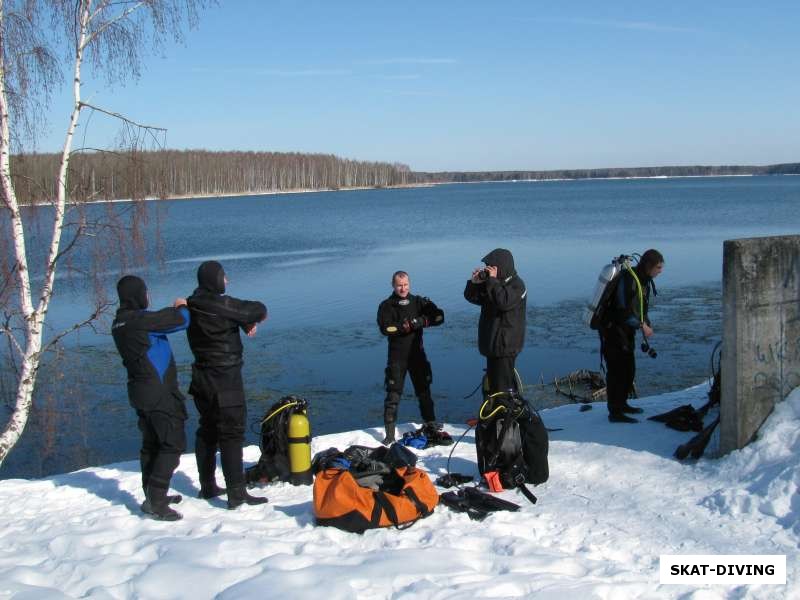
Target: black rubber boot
147 459
230 458
210 489
156 506
389 439
426 406
238 495
621 418
206 456
431 428
632 410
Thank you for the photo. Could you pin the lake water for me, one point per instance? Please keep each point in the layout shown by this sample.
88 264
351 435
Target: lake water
322 262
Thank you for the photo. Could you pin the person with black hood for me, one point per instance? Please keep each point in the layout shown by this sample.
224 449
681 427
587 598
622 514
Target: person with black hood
627 313
502 296
401 318
217 385
141 339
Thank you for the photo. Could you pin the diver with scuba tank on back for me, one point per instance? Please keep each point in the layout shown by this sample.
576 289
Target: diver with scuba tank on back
618 315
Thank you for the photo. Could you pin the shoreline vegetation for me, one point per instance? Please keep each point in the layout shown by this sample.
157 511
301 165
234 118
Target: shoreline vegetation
175 175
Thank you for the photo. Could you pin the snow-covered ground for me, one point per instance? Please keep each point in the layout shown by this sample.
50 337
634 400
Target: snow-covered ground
616 500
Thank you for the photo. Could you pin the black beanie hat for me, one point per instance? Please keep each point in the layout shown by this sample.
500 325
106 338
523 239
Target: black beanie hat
211 277
132 292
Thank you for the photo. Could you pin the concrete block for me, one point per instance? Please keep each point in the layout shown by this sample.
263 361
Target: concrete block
761 332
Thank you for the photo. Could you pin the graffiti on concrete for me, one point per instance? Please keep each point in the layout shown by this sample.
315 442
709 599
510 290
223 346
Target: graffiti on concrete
778 364
773 382
778 351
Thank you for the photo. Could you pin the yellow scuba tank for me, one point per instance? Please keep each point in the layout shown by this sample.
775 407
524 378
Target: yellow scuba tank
300 448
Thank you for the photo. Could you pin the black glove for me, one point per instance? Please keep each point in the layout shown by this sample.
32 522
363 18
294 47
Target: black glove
419 322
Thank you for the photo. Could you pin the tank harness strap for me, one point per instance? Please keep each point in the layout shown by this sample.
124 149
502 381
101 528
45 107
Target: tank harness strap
306 439
526 492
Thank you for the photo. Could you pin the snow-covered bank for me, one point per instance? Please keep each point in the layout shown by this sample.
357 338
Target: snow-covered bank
615 501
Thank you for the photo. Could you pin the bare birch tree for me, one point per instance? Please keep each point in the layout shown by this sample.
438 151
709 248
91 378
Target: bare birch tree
101 36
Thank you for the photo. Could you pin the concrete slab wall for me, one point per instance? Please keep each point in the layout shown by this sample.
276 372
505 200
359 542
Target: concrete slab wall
760 332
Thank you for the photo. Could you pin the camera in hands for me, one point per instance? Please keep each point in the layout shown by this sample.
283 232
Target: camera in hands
648 349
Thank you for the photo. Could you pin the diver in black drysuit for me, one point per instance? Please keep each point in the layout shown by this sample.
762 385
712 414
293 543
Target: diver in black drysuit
402 317
502 296
141 339
618 335
217 385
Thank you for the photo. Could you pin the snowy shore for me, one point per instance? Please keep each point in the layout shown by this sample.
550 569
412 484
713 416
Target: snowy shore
616 500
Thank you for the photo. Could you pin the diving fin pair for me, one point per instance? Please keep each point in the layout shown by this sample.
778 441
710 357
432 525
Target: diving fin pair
475 503
697 445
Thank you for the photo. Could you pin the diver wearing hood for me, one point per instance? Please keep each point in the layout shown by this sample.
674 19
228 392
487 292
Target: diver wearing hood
141 339
217 386
401 318
501 294
628 313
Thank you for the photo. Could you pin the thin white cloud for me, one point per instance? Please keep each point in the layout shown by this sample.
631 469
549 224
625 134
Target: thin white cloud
409 61
630 25
417 93
273 72
400 77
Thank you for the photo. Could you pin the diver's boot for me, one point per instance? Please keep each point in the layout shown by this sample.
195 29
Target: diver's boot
210 489
436 436
426 407
389 438
206 456
390 416
621 418
238 495
431 428
156 506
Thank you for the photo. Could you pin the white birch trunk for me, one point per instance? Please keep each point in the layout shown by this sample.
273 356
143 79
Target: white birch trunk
34 317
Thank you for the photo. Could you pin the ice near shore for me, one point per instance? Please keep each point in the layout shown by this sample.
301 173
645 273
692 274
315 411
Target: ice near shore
616 500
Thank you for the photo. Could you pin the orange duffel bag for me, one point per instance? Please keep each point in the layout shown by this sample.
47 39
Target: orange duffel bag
339 501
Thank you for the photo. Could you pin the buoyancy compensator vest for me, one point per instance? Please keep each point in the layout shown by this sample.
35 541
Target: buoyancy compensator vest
285 444
512 444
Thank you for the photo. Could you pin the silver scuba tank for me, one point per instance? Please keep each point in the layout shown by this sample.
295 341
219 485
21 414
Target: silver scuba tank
607 274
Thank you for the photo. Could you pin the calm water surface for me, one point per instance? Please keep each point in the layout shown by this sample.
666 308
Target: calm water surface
322 262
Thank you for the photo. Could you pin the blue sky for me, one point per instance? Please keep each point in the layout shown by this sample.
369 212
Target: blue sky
446 85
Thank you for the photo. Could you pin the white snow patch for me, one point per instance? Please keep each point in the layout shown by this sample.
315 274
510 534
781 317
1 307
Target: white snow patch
616 500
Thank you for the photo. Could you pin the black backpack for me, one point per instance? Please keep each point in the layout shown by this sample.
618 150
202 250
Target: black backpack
274 428
511 439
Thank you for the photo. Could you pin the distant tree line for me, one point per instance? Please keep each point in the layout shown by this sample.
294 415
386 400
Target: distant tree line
687 171
174 173
181 173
